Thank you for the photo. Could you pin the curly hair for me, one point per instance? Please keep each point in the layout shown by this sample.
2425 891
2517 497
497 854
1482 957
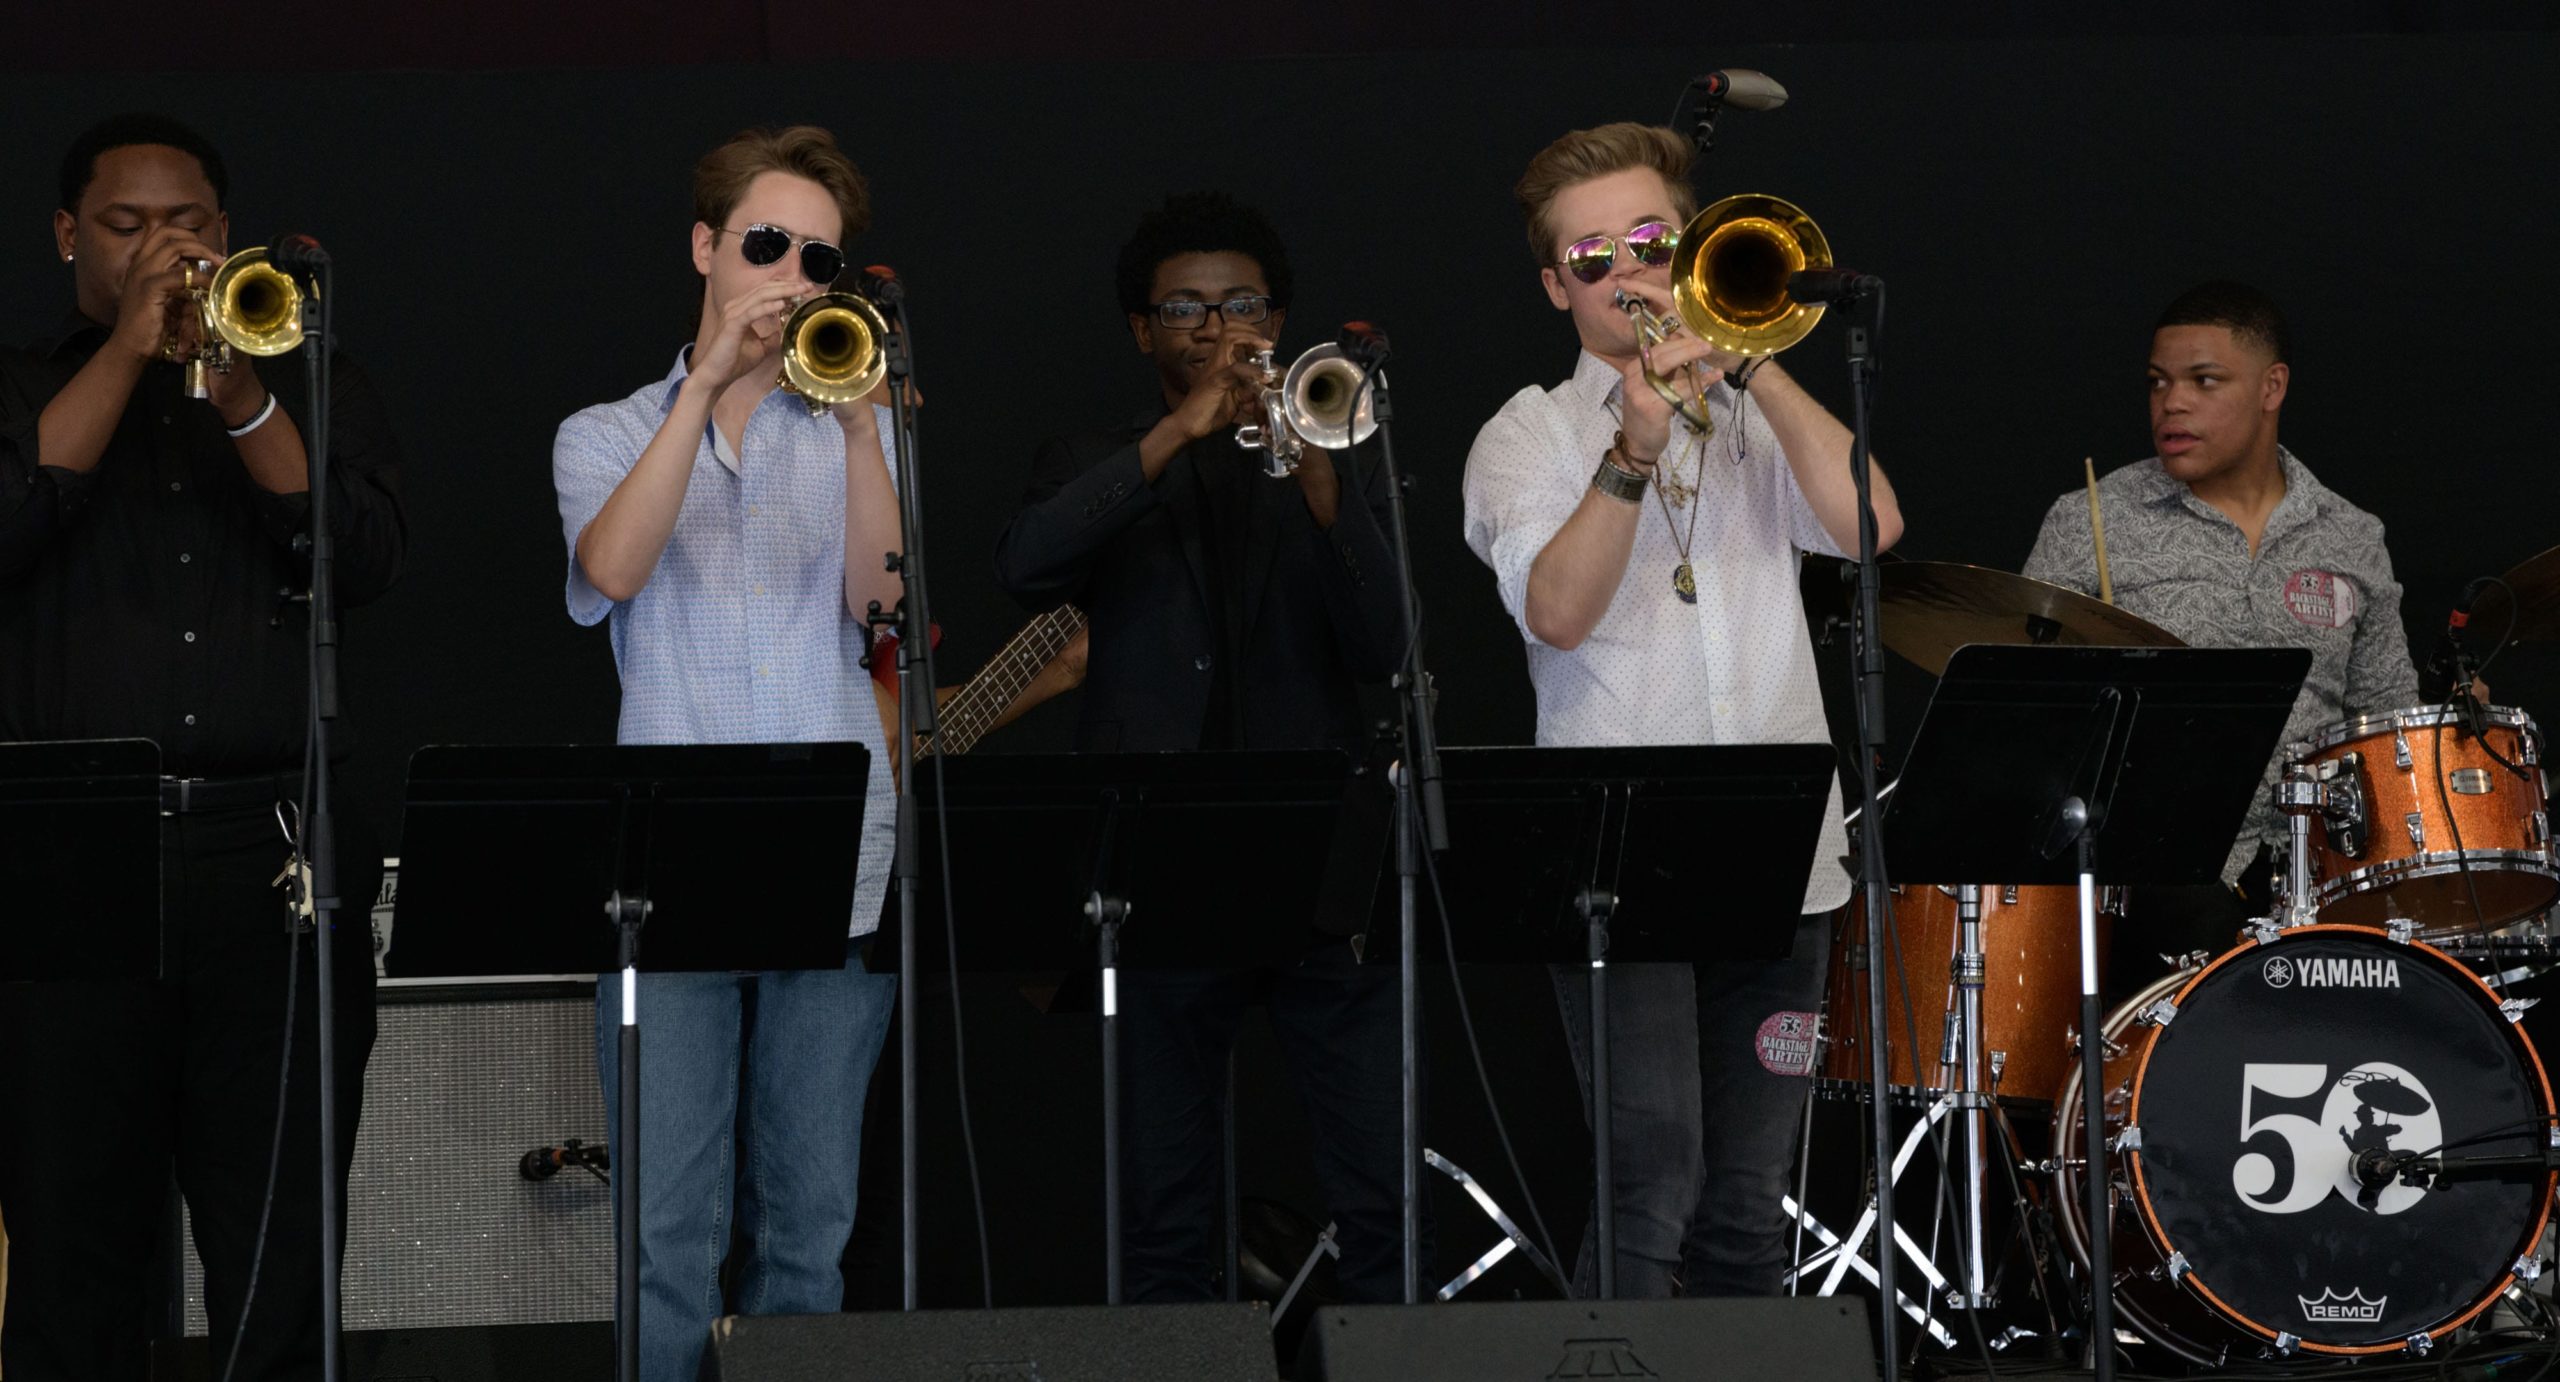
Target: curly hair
1201 223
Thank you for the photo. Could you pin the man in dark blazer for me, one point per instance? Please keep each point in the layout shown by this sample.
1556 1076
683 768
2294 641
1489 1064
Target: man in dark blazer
1229 610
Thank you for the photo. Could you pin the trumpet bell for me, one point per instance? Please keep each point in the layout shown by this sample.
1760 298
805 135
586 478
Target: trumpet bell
831 350
1729 276
253 305
1318 395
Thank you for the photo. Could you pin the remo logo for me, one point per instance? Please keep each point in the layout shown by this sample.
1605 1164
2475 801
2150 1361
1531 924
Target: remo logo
2375 1105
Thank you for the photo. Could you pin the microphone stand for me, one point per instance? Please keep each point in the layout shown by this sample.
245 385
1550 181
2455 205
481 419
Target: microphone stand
912 621
1867 646
319 829
1422 812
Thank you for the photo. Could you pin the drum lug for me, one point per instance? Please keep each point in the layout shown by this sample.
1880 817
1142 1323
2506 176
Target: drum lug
2401 929
2009 895
2527 1268
2400 747
2160 1014
2420 1345
2177 1266
2417 824
2514 1009
2130 1140
2263 930
2287 1343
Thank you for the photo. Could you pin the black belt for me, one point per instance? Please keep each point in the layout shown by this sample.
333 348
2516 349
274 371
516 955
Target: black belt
181 796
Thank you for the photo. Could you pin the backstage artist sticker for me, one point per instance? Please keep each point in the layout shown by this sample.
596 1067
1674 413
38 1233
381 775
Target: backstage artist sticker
1785 1044
2320 599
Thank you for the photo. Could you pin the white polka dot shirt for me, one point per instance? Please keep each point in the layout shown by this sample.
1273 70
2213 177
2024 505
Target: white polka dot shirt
1734 668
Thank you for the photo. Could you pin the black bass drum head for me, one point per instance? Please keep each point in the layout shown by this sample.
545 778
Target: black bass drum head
2285 1059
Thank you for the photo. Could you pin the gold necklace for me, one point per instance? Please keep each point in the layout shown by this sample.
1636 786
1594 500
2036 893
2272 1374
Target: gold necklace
1669 494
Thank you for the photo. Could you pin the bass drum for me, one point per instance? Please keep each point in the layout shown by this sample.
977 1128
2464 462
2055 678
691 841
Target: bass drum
2253 1082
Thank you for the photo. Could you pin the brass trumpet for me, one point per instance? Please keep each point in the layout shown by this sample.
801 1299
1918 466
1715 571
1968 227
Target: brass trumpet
249 306
831 350
1310 406
1729 286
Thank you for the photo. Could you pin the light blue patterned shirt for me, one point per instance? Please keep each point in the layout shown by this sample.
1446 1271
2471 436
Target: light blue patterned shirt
741 634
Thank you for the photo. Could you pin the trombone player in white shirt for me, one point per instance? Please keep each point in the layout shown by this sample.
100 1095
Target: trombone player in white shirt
1651 568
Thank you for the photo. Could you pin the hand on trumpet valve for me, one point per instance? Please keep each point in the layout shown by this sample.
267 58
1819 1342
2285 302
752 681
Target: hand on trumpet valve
748 334
158 290
1227 388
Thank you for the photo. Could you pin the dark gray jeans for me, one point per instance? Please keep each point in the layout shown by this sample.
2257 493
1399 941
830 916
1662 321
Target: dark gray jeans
1706 1091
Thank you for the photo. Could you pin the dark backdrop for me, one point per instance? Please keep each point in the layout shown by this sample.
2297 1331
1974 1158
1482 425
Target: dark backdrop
513 248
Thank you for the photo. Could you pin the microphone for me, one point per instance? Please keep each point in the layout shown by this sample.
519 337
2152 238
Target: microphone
1742 89
1831 285
1363 344
542 1163
2375 1168
880 284
298 256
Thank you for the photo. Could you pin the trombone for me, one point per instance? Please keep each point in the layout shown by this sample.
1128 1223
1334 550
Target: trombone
831 350
1312 405
1729 287
249 306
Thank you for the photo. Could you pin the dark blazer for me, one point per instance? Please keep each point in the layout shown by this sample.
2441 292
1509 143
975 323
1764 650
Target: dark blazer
1322 609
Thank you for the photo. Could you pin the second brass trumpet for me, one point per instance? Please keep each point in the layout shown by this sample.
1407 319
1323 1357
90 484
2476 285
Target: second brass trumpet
249 306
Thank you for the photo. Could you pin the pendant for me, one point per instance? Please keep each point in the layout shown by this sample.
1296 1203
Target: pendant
1684 583
1675 491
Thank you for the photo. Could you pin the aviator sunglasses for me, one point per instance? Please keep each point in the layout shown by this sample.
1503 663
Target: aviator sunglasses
1591 259
761 244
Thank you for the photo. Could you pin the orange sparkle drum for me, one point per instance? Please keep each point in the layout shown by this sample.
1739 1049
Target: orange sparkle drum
2424 816
2239 1097
2030 988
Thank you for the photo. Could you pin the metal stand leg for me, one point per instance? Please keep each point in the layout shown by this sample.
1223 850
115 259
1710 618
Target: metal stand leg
628 915
1596 907
1971 1100
1408 865
1108 913
1235 1213
2102 1305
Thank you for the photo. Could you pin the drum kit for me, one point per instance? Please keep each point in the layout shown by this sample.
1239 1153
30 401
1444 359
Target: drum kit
2332 1139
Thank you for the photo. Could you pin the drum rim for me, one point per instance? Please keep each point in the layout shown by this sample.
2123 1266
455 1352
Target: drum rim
2349 730
2141 1190
2438 863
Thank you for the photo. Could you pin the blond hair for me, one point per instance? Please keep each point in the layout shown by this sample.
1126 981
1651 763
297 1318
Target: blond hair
721 179
1598 152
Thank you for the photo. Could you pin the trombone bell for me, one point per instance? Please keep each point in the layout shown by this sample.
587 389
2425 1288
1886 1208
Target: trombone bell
1729 276
831 350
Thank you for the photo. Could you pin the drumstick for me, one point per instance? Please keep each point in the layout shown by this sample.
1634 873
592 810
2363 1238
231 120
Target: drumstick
2098 532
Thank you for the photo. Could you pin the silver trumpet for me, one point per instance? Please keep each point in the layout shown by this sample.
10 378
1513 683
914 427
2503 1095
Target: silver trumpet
1312 405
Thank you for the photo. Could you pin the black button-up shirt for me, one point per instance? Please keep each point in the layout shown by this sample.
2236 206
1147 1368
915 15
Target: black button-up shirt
147 596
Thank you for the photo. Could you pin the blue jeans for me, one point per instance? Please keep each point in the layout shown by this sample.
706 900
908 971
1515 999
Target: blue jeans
751 1090
1706 1093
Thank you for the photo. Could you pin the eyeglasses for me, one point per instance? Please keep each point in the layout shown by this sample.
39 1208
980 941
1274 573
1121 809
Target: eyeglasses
1181 314
1590 260
762 244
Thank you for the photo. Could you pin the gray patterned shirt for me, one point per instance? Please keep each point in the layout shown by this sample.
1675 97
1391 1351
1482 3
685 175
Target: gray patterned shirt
2321 580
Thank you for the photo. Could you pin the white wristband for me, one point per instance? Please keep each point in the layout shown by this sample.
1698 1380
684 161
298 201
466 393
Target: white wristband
253 424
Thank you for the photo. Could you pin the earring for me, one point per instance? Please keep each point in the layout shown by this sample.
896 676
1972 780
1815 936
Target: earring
66 259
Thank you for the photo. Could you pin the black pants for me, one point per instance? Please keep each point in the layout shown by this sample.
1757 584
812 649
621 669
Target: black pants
105 1087
1336 1020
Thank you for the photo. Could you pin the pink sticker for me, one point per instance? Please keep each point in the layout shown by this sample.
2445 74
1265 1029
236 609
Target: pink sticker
1785 1044
2320 599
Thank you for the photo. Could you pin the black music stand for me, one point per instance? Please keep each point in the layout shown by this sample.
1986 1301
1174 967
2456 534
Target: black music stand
79 855
1585 855
2026 756
507 853
1052 854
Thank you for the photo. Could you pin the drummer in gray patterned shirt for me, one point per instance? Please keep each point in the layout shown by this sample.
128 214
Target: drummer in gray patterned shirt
2227 540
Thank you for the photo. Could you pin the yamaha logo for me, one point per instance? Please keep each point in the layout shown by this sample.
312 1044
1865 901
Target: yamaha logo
2317 973
2352 1308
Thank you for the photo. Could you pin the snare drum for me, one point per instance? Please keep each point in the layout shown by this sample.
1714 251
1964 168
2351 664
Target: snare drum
2030 987
2413 797
2240 1094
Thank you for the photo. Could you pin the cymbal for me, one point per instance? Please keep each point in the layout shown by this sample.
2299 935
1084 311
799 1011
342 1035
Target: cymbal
2535 603
1931 608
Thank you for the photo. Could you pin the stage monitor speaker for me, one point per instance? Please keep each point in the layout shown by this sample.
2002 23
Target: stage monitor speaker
1817 1340
1093 1343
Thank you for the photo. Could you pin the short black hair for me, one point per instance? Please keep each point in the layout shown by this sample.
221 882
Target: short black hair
80 161
1200 223
2249 314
